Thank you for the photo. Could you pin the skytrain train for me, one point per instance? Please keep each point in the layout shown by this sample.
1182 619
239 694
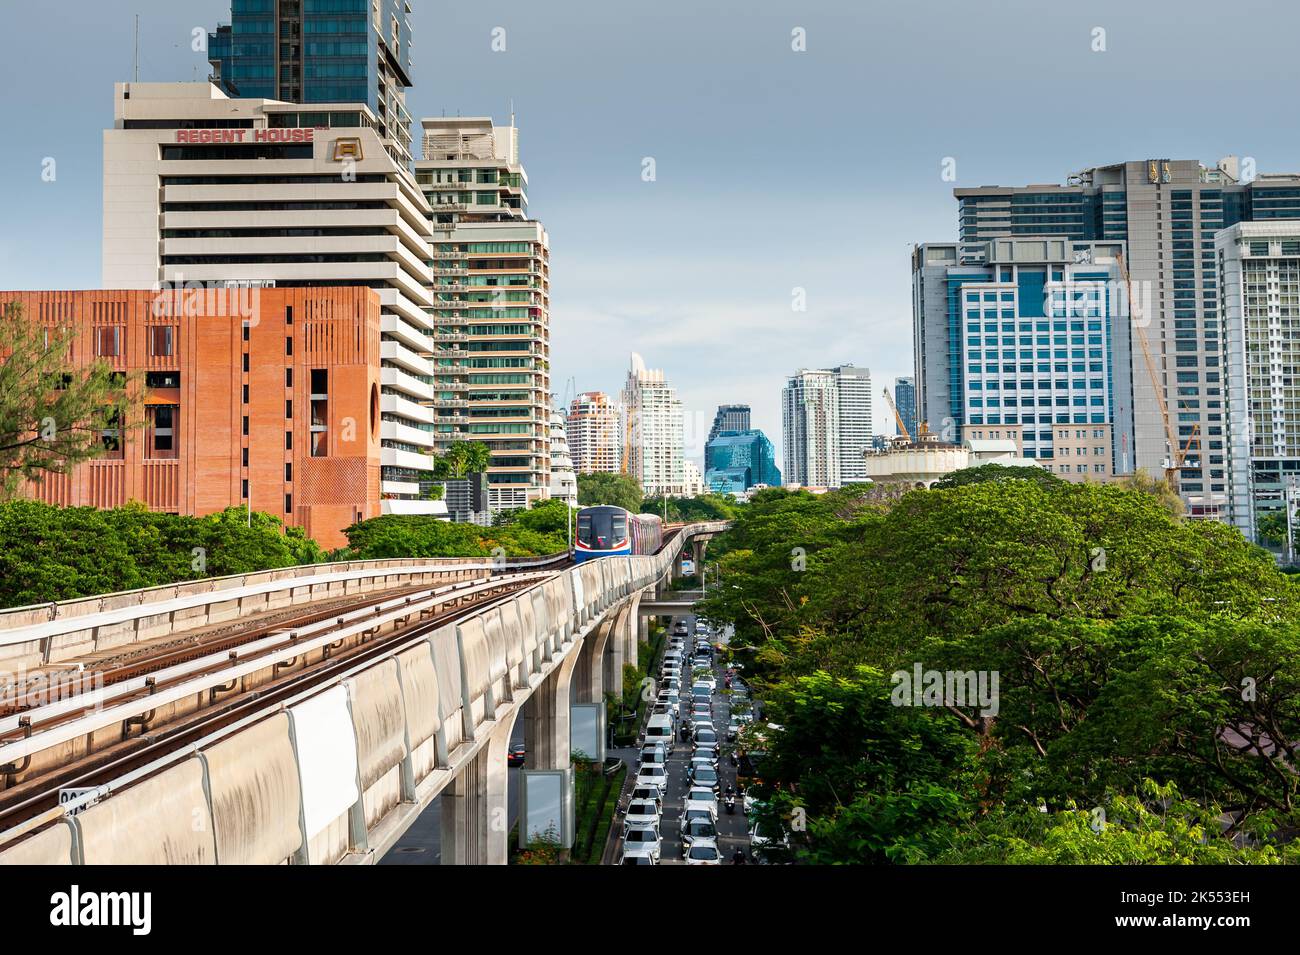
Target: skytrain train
605 531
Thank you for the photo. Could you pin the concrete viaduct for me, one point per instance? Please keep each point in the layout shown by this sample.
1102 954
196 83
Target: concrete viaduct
337 775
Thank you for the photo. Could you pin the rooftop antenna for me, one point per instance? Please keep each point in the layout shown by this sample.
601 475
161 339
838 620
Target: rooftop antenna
135 71
512 111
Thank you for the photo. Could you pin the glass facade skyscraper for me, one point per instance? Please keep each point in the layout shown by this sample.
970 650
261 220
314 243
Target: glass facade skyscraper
735 461
320 51
729 418
905 399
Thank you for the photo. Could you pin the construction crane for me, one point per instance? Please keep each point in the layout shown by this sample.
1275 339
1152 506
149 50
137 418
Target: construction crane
902 428
1178 452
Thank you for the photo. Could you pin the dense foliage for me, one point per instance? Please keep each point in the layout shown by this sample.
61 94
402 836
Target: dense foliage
538 531
619 490
1147 696
57 553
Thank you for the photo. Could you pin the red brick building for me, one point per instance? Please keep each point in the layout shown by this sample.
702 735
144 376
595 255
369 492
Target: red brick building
263 393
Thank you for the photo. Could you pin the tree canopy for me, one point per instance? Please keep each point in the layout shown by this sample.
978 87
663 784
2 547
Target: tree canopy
619 490
53 415
1145 671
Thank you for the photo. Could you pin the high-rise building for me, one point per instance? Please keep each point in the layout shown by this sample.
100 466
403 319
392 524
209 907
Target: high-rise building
1259 280
652 430
1025 338
491 314
321 52
735 461
564 482
592 427
1167 212
266 398
853 391
692 479
729 418
905 399
810 423
201 188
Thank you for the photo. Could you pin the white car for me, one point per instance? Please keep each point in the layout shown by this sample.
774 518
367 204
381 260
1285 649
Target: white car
704 852
705 679
652 774
693 815
653 753
650 793
700 798
698 831
645 838
640 814
759 840
638 855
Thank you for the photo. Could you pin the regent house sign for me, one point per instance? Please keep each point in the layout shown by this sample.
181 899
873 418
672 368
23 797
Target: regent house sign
283 135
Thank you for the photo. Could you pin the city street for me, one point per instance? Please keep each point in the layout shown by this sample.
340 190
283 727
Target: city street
732 829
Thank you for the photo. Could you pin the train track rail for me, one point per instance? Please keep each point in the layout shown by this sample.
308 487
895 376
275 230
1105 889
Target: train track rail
39 794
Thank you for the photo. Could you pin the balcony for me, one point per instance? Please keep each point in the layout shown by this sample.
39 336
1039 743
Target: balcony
402 506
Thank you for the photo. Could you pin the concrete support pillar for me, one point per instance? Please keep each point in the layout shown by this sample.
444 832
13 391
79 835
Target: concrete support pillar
546 719
475 810
589 673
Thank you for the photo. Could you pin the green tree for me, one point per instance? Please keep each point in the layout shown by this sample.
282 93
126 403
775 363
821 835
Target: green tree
619 490
1158 488
997 472
52 414
462 458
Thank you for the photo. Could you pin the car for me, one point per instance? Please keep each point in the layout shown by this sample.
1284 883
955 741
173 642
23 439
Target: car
516 755
706 751
654 753
699 814
701 708
764 846
706 679
704 853
651 793
701 695
706 734
680 628
645 837
652 774
698 760
750 801
637 855
733 730
702 776
700 798
702 830
641 813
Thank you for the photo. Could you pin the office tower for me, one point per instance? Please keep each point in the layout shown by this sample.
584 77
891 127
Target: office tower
905 399
729 418
1259 279
735 461
491 310
201 188
1025 338
853 392
652 430
810 423
264 398
1167 212
564 482
592 427
313 52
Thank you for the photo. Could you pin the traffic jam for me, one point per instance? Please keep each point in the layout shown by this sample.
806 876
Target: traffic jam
685 805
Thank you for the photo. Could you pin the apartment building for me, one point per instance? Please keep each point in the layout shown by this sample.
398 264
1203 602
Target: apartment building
491 308
652 430
592 427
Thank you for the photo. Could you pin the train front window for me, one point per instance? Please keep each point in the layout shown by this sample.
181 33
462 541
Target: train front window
601 530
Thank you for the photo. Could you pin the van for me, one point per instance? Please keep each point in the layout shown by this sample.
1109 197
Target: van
660 730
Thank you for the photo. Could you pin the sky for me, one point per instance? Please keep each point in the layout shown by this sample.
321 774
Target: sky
778 173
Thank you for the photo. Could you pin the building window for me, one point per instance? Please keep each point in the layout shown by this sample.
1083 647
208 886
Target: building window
108 341
288 407
288 472
288 344
245 425
245 361
162 341
111 436
288 314
245 394
288 440
319 412
288 377
288 503
160 431
244 456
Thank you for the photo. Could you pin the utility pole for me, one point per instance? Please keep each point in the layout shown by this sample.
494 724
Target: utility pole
135 71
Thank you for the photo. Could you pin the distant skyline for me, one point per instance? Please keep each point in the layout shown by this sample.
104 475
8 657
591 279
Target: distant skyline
775 170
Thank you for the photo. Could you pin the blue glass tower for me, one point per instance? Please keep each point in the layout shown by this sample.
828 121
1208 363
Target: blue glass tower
320 51
735 461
